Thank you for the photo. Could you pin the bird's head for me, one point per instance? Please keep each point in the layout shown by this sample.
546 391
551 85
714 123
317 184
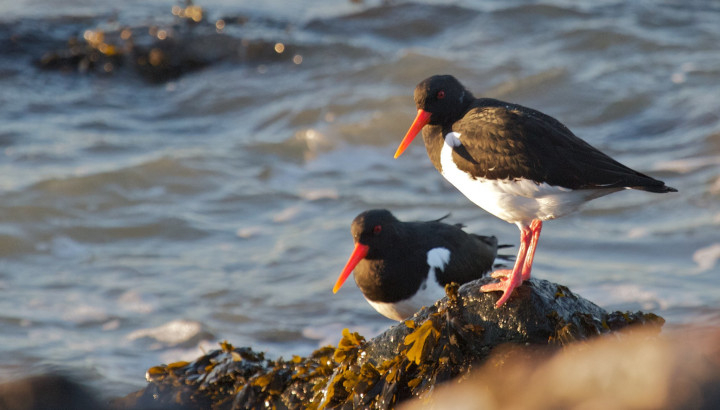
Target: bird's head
373 232
440 99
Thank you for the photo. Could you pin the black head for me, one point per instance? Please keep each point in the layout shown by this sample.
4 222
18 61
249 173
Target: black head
443 97
440 100
374 233
376 228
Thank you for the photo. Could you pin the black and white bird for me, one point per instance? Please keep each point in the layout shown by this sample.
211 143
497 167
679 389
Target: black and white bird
519 164
402 266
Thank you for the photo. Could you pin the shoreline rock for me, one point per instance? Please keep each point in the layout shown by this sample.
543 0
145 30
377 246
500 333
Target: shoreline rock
155 49
440 343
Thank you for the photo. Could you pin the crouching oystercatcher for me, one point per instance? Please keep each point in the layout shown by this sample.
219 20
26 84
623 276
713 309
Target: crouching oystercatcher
402 266
517 163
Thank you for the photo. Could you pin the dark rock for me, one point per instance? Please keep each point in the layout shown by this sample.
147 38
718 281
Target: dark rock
157 52
439 343
539 312
47 392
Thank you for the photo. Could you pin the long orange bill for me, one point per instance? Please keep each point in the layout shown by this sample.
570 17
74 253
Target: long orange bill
357 255
423 117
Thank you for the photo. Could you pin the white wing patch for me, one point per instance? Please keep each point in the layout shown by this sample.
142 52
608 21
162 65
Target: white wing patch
437 258
452 139
429 292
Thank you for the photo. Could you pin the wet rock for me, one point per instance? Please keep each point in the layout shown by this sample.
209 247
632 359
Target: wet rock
540 312
158 52
439 343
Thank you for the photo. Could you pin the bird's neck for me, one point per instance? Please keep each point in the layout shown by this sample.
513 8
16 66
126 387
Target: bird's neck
380 282
434 138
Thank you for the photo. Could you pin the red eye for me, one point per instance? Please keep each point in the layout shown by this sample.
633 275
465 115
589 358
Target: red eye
440 95
377 229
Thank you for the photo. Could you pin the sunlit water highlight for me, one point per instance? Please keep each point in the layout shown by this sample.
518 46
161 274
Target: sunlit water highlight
141 223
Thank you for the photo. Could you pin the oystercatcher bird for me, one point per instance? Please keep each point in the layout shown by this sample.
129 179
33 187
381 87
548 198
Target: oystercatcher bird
519 164
402 266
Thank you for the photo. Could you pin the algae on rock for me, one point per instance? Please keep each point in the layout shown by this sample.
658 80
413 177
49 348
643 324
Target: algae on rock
440 343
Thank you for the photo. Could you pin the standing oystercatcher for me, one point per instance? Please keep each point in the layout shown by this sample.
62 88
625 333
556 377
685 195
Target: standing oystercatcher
402 266
517 163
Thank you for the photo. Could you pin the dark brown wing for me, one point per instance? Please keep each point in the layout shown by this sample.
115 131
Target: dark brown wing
511 141
472 255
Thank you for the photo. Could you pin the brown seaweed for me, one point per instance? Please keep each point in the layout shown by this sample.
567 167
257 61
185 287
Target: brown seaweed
440 343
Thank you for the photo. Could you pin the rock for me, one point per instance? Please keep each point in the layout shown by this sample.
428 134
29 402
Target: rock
439 343
537 313
157 52
47 392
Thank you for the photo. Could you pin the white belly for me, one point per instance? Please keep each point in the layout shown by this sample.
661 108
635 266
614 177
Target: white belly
517 201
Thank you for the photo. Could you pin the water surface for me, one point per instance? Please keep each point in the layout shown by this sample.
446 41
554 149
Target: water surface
142 222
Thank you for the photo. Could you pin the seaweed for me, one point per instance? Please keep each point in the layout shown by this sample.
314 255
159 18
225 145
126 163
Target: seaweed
441 343
421 341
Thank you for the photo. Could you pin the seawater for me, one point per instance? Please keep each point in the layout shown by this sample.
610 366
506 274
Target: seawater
141 223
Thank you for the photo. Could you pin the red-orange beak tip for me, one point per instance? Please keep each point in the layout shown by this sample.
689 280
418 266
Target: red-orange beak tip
358 254
422 118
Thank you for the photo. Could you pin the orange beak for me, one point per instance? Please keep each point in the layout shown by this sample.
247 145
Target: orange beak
423 117
358 254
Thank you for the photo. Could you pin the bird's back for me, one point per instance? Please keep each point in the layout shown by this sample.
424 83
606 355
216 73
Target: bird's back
510 141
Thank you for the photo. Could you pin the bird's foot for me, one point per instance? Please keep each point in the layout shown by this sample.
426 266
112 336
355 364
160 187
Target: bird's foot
509 280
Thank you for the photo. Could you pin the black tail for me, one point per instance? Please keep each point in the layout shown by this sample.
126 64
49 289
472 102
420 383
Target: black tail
507 258
650 184
658 189
447 215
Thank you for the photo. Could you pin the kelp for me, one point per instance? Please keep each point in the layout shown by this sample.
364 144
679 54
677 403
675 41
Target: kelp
442 342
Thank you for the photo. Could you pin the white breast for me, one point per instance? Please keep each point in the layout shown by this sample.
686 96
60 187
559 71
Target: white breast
430 291
517 201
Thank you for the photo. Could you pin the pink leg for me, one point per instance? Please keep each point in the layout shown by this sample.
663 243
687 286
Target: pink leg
510 279
535 228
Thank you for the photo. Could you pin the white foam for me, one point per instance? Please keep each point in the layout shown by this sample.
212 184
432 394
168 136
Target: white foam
66 248
84 313
189 354
134 301
319 193
113 324
249 231
173 333
287 214
706 258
